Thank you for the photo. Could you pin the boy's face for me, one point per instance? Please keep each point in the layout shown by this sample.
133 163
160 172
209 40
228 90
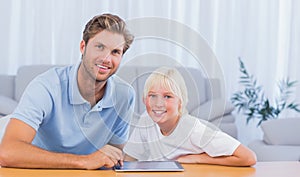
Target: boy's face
162 105
101 56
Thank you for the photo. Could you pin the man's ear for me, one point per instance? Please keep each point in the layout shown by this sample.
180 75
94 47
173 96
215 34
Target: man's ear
144 100
82 46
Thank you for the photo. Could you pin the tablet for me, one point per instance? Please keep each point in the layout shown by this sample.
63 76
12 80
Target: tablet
149 166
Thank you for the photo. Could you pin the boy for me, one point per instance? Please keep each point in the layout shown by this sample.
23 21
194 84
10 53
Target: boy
168 132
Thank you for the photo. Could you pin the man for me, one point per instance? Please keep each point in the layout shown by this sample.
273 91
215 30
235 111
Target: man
75 116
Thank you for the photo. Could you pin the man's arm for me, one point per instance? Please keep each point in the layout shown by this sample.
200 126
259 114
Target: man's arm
16 150
242 156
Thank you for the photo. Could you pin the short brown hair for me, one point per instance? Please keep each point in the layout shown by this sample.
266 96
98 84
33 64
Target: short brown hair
109 22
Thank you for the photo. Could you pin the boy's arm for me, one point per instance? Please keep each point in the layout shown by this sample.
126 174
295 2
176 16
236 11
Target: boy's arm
16 150
242 156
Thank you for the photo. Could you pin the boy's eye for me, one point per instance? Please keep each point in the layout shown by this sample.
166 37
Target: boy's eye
151 95
168 96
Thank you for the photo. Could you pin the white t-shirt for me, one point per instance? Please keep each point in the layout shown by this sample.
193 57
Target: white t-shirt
191 136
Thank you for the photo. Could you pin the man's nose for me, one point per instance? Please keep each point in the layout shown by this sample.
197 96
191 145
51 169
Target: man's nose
107 57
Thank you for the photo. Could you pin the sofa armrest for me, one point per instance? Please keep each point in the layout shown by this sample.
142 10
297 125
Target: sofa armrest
7 85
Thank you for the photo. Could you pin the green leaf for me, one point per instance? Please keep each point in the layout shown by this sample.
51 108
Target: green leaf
254 104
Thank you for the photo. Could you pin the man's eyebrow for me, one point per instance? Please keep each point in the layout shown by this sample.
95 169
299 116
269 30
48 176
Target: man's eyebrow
100 43
117 48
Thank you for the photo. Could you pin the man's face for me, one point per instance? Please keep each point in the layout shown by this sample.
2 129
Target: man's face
102 55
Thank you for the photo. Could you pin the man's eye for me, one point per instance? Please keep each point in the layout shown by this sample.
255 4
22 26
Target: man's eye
101 47
116 52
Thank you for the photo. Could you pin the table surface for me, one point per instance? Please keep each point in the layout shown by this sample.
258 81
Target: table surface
261 169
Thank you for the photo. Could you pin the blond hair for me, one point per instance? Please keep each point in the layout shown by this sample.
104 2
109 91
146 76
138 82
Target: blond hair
171 80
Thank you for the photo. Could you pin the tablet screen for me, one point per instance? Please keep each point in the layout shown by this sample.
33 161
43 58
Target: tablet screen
150 166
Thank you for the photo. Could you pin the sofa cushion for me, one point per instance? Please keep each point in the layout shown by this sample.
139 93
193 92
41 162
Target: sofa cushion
7 105
283 131
7 85
266 152
213 109
196 86
213 88
25 75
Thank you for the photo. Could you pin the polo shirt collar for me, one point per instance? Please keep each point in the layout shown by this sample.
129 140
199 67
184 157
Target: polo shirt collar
76 98
108 97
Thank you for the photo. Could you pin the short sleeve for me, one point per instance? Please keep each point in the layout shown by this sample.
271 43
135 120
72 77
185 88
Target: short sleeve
35 104
213 141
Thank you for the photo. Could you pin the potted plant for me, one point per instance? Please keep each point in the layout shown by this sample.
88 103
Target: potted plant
253 102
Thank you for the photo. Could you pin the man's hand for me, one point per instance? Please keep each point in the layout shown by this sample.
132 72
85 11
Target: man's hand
115 154
108 156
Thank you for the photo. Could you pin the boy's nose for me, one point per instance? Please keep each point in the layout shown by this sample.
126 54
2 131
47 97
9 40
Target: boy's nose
159 101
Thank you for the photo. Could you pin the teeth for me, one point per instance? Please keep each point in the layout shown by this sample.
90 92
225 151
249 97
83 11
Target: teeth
100 66
158 112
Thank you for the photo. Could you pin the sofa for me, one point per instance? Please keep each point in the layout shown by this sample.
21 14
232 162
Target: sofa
280 140
205 96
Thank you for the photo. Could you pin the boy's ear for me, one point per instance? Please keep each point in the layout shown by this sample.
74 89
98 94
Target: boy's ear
144 100
180 106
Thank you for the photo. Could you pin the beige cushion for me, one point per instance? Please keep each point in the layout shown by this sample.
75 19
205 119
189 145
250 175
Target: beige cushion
283 131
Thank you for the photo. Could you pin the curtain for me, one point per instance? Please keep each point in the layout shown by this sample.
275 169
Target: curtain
265 34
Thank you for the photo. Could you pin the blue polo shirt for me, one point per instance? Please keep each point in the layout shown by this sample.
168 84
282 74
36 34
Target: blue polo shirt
65 122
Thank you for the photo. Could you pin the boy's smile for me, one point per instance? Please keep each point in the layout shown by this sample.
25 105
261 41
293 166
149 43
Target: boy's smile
163 107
